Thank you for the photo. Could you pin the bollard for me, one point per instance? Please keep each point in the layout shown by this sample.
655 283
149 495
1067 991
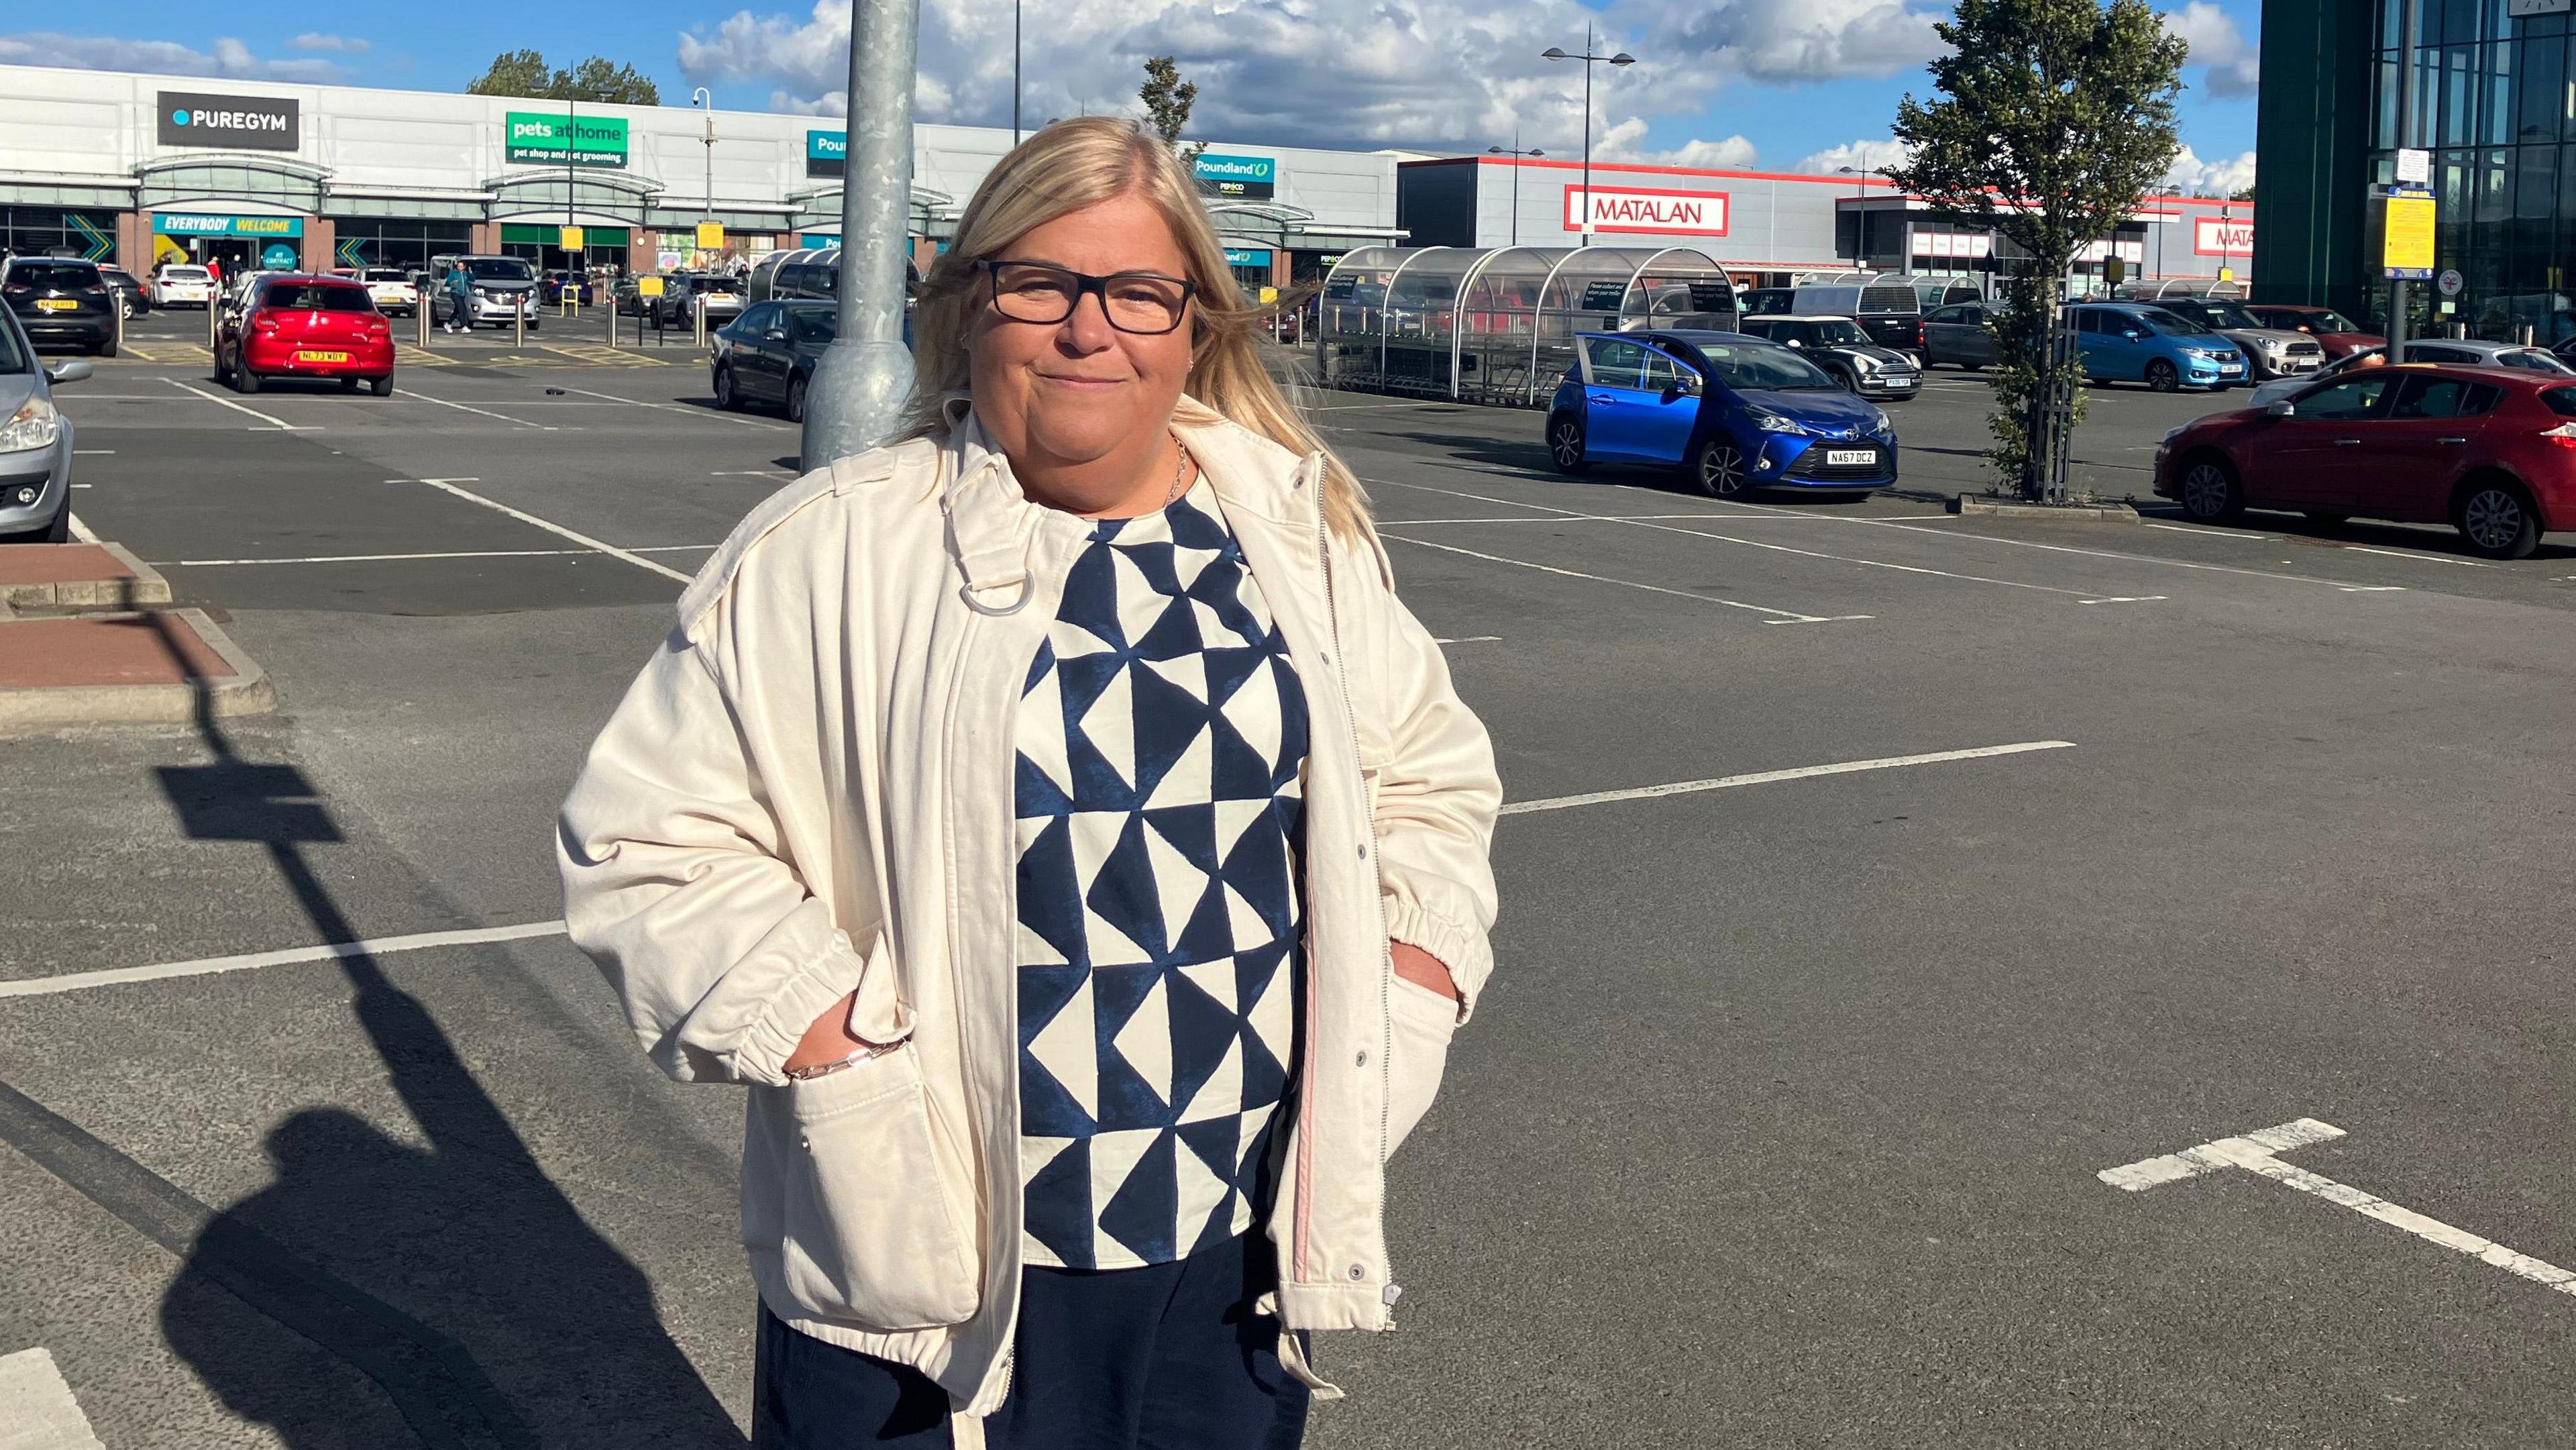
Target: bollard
698 324
214 300
420 323
611 310
116 344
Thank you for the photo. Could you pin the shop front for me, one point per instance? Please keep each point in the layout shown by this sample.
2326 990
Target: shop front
37 231
542 244
235 242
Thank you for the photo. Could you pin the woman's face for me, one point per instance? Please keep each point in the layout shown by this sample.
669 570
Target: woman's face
1078 391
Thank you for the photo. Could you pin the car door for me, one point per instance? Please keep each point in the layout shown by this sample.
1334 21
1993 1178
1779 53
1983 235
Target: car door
1670 406
2415 449
1615 421
2315 456
755 358
2116 346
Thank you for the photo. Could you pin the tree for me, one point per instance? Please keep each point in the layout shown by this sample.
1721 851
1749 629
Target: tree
524 73
2242 193
1167 101
2053 118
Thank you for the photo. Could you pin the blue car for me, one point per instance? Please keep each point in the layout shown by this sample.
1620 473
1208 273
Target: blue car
1734 413
2131 342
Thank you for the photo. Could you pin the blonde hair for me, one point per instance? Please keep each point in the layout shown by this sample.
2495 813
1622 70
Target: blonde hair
1079 163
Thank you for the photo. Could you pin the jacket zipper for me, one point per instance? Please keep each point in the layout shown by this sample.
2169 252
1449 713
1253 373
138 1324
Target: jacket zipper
1377 869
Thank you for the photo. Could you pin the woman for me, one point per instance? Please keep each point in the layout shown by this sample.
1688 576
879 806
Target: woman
1059 823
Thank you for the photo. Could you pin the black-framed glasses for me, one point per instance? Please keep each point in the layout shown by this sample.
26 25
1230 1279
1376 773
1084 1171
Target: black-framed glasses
1144 303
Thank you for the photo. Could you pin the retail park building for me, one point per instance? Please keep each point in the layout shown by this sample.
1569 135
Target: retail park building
144 167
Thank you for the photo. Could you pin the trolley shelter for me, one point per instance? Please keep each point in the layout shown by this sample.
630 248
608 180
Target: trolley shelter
1497 324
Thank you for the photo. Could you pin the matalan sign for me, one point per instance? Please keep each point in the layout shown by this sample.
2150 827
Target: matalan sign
2212 237
1638 209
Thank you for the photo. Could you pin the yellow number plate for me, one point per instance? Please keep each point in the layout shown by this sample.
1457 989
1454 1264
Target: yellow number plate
321 357
56 304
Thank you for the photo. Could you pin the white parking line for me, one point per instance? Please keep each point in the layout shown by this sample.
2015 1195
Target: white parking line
42 1413
449 485
280 424
1785 616
1472 639
2418 558
463 408
719 413
451 554
209 966
1767 777
2257 1152
2207 533
81 531
2081 596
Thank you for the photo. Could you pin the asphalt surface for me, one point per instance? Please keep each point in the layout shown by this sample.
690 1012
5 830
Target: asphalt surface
1780 1125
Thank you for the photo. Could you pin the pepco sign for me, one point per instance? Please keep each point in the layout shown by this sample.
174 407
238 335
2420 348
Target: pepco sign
255 123
1641 209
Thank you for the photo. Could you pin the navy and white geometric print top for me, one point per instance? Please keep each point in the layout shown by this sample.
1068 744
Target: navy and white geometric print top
1161 738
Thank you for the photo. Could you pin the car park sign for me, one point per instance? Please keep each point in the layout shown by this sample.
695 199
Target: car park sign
1644 209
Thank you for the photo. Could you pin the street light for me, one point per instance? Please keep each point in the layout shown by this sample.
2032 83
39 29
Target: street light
1015 72
1860 218
1515 152
704 97
1622 58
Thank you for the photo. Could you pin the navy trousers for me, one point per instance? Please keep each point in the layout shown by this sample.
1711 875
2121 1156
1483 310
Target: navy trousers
1166 1357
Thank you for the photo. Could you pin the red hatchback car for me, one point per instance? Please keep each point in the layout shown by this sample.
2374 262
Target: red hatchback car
295 325
2490 451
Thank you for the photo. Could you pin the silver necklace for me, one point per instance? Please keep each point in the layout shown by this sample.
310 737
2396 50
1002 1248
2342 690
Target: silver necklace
1180 472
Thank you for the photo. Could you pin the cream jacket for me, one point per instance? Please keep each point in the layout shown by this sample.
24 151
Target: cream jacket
808 792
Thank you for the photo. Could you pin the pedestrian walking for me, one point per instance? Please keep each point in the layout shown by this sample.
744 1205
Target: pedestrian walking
1060 823
460 297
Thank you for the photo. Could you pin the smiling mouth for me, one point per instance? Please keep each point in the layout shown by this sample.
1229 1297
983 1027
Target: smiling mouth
1081 382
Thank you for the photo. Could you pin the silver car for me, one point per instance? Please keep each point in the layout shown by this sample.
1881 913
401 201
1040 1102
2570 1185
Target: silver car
2270 351
2459 352
35 441
1957 334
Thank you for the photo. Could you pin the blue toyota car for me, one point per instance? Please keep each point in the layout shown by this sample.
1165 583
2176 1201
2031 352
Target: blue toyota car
1734 413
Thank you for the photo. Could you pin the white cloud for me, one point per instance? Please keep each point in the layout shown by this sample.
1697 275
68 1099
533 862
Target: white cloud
1866 154
1429 74
346 44
229 60
2233 65
2222 177
1620 143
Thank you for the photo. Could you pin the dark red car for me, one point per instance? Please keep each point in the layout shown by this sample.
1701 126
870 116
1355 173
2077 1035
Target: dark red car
298 325
2336 334
2490 451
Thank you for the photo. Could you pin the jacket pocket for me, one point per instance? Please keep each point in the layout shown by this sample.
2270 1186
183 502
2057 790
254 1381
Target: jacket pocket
872 1235
1424 1023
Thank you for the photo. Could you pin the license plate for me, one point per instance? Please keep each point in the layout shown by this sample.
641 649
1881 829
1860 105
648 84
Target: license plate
56 304
304 356
1850 457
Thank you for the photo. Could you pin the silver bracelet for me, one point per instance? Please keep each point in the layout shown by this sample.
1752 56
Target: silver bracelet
826 1069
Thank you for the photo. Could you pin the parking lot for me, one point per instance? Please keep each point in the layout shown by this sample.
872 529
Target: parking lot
1876 878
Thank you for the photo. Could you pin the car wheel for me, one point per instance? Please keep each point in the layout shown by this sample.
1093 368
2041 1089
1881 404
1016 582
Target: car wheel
2210 491
1844 380
1565 444
1974 367
796 401
2163 377
382 387
727 397
244 380
2496 518
1717 469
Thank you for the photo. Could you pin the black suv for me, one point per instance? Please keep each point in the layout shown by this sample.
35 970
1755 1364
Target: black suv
61 299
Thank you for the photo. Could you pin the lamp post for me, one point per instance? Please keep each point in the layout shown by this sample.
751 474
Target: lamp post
1015 72
1860 217
864 379
1622 58
704 97
1515 152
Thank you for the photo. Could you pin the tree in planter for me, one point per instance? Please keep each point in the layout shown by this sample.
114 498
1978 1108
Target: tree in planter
2053 119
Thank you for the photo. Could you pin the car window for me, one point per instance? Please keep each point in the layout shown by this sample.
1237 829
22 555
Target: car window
1764 365
316 297
758 320
1837 334
2442 355
815 324
2436 396
1617 364
1662 373
14 356
500 269
2561 401
2531 359
66 275
2087 320
2347 399
1951 314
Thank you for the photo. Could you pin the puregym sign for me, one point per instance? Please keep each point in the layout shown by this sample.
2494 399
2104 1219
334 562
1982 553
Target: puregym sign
539 139
253 123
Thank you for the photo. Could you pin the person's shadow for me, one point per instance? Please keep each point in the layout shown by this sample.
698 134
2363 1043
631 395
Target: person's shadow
456 1276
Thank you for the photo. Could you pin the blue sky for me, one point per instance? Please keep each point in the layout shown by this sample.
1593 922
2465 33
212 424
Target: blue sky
1766 84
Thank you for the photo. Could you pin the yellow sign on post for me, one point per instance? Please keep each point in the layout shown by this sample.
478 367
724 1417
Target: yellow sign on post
648 286
2406 235
710 236
571 238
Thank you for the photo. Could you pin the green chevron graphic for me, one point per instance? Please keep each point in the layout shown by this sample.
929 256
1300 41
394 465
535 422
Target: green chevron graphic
101 245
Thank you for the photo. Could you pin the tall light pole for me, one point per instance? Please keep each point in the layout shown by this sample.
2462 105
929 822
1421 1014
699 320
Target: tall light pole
1515 152
865 378
1860 215
704 97
1015 72
1622 58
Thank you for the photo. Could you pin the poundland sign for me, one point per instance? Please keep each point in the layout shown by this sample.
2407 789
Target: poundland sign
1641 209
254 123
537 139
